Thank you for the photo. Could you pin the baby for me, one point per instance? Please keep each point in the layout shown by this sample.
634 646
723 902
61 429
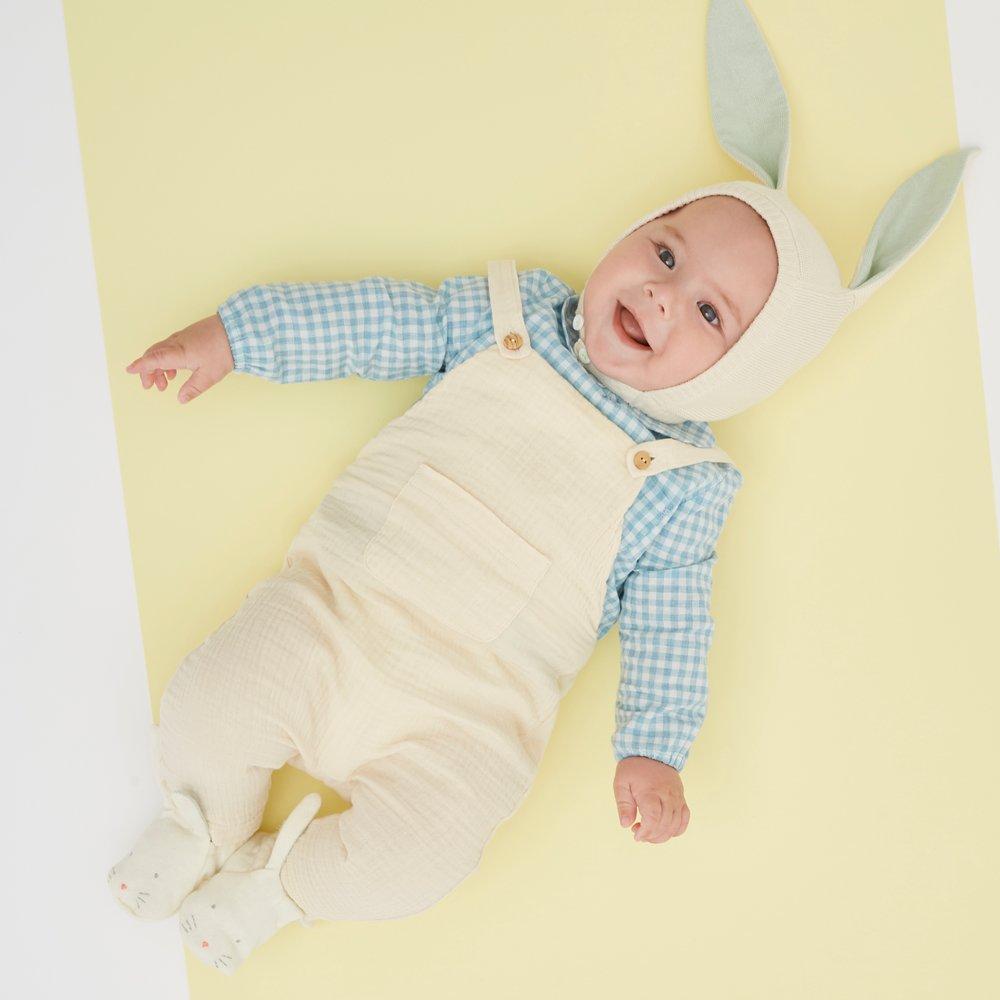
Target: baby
556 476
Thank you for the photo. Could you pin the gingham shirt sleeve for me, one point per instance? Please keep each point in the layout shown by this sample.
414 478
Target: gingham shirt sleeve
666 627
378 328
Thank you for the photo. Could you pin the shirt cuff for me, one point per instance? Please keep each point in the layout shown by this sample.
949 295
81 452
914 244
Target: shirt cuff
675 758
238 324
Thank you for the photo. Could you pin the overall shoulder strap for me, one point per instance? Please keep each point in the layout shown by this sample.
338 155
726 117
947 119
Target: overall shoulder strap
647 458
508 314
644 459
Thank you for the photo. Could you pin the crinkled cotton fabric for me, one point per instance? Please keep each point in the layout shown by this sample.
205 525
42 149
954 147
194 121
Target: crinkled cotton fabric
659 589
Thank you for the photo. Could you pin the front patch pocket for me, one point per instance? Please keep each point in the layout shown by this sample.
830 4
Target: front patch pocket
450 555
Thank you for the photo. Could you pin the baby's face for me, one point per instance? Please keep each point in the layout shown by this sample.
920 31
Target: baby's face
671 298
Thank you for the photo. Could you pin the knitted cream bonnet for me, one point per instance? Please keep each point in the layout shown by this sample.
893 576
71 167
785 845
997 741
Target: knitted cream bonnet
808 302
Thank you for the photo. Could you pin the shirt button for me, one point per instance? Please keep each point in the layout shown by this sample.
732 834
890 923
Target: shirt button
513 341
641 459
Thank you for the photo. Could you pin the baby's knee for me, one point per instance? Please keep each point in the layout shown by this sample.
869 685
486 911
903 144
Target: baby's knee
238 680
212 711
202 705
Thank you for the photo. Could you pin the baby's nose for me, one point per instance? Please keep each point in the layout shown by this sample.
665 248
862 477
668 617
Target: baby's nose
123 887
660 295
204 944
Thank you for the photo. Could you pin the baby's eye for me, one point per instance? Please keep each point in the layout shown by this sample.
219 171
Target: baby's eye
666 250
711 318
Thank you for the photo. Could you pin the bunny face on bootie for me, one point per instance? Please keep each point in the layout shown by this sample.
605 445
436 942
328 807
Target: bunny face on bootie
244 904
172 856
232 913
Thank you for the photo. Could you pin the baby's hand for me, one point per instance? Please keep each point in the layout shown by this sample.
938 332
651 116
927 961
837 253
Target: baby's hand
202 348
656 789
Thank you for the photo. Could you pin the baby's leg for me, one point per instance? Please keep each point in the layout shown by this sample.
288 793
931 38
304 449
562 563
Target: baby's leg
237 708
417 826
245 701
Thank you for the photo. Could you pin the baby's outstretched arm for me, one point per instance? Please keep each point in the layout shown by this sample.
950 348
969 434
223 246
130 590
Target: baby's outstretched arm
380 328
666 627
377 328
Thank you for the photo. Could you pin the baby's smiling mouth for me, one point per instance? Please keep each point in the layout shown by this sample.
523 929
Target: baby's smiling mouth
630 326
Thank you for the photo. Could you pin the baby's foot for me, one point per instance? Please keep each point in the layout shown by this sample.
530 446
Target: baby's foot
244 904
172 856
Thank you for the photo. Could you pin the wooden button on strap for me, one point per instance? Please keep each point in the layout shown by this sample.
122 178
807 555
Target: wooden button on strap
653 457
509 330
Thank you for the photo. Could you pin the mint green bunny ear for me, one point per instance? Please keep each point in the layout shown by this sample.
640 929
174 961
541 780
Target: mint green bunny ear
749 106
908 219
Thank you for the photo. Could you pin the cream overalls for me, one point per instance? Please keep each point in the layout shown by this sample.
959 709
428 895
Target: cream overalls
431 614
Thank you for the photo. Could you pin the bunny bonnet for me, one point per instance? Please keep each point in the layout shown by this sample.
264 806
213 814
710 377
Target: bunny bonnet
808 302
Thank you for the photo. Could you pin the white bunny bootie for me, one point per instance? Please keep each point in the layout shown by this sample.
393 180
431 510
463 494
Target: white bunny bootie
244 904
172 856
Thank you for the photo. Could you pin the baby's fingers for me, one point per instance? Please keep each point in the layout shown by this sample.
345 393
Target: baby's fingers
625 801
165 355
158 378
198 383
626 806
673 824
651 806
685 819
667 826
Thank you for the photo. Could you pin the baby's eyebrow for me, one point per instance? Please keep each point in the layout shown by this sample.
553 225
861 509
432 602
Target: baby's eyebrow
677 236
725 298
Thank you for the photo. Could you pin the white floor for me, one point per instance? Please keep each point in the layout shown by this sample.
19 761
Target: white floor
972 29
76 707
79 747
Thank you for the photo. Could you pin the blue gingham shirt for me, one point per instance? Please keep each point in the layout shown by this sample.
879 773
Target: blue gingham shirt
660 585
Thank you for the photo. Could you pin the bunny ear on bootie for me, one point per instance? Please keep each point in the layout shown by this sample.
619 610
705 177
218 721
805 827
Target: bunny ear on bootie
907 220
749 105
293 828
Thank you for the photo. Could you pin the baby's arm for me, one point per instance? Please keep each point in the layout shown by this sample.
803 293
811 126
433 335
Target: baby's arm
666 629
378 328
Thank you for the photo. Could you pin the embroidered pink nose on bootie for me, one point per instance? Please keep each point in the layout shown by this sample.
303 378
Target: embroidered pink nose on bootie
244 904
171 857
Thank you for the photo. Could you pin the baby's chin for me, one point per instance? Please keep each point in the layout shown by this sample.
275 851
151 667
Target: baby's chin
624 364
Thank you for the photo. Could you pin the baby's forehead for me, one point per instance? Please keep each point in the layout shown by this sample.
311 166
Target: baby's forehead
718 220
715 205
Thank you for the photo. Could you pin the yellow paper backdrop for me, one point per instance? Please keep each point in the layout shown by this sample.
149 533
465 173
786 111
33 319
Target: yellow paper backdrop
842 842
